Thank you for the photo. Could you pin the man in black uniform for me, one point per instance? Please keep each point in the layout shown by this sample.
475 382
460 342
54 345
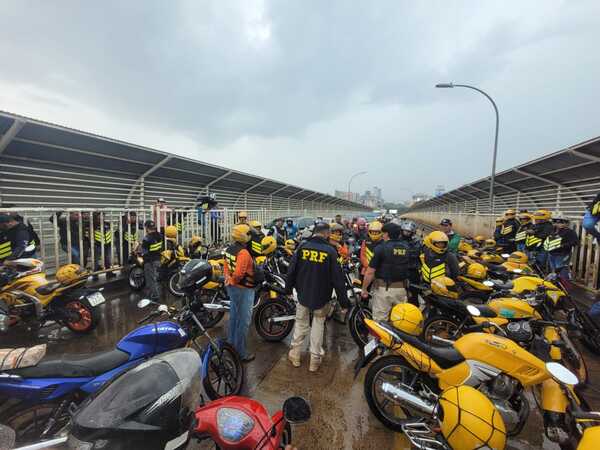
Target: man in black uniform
129 227
507 232
315 273
534 243
14 239
559 246
152 246
388 271
408 230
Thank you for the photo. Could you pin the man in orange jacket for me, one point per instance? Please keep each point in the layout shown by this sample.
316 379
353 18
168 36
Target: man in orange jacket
239 284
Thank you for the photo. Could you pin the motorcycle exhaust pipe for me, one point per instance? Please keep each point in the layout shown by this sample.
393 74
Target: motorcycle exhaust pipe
214 307
400 395
282 319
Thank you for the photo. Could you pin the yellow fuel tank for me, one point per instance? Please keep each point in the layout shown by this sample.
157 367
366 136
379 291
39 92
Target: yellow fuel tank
476 284
513 308
503 354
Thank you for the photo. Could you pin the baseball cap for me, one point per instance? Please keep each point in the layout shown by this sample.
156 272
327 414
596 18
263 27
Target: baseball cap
161 200
321 226
446 222
149 224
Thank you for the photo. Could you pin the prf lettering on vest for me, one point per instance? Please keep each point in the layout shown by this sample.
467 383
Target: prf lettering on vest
314 256
399 252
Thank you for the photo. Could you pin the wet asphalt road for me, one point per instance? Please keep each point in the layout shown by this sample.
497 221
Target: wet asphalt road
341 418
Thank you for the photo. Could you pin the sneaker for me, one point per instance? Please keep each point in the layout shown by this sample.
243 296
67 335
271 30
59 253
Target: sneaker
249 357
294 358
315 363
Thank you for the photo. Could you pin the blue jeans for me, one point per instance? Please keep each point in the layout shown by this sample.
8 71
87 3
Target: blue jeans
240 316
560 264
589 224
521 246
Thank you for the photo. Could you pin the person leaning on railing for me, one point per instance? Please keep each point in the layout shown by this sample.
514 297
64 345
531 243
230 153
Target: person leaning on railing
559 246
15 239
63 233
592 217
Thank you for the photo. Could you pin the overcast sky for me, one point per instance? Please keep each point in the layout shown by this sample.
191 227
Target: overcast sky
311 91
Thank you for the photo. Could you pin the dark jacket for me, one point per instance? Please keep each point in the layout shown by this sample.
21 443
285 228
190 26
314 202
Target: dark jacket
13 242
315 273
152 246
538 234
391 261
561 242
434 265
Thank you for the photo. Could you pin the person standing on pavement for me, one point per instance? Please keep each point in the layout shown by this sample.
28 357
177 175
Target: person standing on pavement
368 246
151 248
239 282
453 237
388 272
559 246
408 233
314 272
525 224
592 217
15 239
508 231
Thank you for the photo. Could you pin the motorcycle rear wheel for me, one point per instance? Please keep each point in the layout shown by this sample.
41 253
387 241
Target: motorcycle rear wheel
225 373
136 278
85 316
395 369
273 331
356 324
441 326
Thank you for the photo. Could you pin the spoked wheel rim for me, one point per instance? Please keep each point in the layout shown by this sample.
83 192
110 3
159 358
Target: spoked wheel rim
270 311
395 374
80 317
223 373
446 329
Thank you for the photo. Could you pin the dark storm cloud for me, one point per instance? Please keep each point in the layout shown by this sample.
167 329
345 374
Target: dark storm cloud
337 80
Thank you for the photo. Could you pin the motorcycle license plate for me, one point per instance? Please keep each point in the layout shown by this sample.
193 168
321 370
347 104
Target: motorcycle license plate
96 299
370 346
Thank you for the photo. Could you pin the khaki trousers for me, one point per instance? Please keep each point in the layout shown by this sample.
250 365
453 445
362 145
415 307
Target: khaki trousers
385 299
302 328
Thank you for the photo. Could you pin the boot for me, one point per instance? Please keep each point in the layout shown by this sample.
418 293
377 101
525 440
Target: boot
294 357
315 363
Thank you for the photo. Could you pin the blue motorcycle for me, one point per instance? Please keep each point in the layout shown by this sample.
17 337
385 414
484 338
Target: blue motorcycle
37 401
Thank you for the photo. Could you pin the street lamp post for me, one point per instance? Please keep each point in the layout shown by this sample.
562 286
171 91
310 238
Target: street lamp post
493 176
352 178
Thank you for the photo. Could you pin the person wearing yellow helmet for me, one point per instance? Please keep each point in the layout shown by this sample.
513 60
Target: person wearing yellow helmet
256 236
336 238
269 245
368 246
239 282
534 243
388 272
592 217
559 246
525 224
435 259
242 218
505 235
289 247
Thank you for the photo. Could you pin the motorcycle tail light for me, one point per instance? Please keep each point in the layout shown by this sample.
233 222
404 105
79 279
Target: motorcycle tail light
233 424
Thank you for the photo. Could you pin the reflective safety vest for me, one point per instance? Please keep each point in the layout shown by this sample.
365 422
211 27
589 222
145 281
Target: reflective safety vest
521 235
552 243
431 273
256 247
231 260
506 229
5 249
103 237
370 250
533 241
130 237
156 247
179 227
596 209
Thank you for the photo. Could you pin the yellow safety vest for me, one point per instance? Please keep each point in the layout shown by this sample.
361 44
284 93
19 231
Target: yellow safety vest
156 247
552 243
5 249
130 237
103 238
506 229
179 227
256 247
533 241
431 273
521 236
596 209
368 254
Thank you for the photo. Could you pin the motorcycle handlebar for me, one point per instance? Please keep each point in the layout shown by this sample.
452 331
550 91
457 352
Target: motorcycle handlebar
150 316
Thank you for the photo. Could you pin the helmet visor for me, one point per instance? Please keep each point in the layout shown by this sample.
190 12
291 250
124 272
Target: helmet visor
442 245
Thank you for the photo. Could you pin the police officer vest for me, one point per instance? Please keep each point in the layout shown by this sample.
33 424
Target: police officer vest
231 254
5 249
103 237
553 242
432 268
130 237
395 262
532 241
522 233
506 229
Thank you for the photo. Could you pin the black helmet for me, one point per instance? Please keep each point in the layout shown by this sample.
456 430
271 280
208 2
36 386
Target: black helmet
151 406
195 274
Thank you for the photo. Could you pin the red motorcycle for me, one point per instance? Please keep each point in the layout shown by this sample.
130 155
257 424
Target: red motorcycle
241 423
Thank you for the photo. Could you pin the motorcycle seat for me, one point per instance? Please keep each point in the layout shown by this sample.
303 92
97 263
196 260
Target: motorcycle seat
74 366
445 357
47 288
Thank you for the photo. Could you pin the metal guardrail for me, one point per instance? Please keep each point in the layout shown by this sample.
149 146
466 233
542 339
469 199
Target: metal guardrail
213 226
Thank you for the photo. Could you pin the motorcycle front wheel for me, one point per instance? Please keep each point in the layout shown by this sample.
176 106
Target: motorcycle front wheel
441 326
79 316
225 373
356 324
267 329
136 278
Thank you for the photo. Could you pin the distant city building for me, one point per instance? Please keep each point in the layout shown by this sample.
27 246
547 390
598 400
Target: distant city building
372 199
420 198
351 196
439 190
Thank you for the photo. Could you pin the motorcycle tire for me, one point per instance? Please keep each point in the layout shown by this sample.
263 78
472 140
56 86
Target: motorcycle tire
286 436
87 316
385 364
210 319
275 331
174 285
29 423
356 324
136 278
449 327
225 373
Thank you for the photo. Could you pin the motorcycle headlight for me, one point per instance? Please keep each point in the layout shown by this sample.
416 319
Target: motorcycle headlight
233 424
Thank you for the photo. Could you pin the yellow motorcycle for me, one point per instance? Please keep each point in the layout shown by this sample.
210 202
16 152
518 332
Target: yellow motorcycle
29 296
407 381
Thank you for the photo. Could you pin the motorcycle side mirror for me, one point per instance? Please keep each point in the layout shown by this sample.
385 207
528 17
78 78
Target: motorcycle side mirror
473 311
296 410
561 374
488 283
505 255
143 303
